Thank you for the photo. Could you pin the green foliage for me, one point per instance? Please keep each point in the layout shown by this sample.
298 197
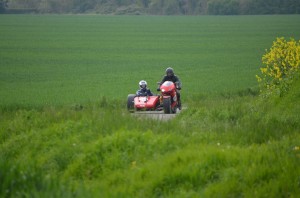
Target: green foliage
229 145
228 7
282 64
29 181
158 7
3 5
269 7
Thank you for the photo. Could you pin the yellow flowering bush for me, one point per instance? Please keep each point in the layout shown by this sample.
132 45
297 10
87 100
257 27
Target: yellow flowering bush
281 63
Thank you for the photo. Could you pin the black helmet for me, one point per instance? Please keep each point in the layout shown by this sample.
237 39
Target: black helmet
143 84
169 71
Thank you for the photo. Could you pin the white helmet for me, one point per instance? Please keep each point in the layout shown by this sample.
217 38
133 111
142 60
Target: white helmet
143 84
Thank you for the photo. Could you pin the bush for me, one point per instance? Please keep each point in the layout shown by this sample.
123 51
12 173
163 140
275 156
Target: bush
281 65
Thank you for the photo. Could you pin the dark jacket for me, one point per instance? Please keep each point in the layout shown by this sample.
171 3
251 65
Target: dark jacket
173 78
144 92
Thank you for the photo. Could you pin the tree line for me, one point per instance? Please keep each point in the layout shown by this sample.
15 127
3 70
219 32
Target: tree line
155 7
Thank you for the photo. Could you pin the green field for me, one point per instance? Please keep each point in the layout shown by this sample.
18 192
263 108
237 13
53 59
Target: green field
65 132
63 59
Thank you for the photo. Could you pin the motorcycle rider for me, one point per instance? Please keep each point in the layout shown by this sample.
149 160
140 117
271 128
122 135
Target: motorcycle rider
170 76
143 91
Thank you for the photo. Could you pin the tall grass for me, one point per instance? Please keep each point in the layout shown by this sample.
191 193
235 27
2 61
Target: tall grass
228 145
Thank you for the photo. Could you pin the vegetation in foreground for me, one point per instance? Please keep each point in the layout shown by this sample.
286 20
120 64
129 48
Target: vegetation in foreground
230 145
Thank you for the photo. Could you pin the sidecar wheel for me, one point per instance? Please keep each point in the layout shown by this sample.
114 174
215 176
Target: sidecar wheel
130 102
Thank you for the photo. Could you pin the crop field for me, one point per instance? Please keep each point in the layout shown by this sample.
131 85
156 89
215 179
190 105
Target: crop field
63 59
65 131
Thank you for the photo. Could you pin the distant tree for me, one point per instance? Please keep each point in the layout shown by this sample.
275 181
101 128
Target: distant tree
195 7
82 6
172 7
160 7
156 7
223 7
3 5
145 3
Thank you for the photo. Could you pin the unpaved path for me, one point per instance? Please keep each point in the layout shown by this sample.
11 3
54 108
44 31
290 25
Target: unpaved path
156 115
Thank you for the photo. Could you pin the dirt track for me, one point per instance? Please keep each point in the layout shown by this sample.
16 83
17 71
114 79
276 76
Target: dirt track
157 115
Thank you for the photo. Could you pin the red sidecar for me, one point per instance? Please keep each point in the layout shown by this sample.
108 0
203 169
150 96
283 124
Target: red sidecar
166 101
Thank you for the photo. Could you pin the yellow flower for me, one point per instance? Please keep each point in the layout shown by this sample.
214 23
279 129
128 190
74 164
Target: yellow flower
281 62
258 78
263 70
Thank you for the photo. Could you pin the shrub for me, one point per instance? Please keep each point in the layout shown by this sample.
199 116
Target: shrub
281 64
